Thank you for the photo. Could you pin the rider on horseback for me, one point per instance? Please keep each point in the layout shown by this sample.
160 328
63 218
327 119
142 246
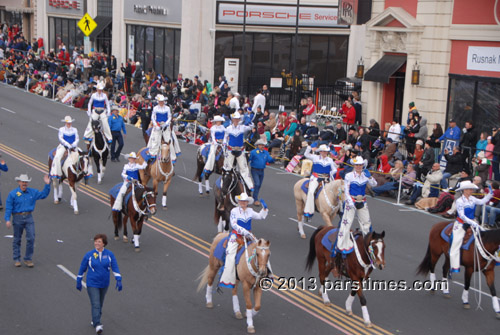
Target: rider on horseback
466 209
130 174
217 133
323 169
68 138
241 222
234 142
160 120
355 203
95 111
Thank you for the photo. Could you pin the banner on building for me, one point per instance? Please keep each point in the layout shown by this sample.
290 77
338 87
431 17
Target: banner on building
483 59
283 15
231 72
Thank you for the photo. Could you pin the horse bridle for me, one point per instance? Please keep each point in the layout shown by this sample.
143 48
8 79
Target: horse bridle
255 261
371 253
144 199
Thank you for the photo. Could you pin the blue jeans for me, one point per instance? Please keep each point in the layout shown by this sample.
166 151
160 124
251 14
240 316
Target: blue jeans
258 178
386 187
21 223
117 136
444 181
96 296
417 192
496 168
492 216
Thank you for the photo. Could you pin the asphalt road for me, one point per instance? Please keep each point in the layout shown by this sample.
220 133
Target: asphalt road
159 294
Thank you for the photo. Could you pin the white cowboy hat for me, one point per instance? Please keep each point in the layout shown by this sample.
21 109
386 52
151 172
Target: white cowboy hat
467 185
132 155
259 142
100 86
160 97
358 161
324 147
244 197
236 115
115 108
67 119
219 118
23 177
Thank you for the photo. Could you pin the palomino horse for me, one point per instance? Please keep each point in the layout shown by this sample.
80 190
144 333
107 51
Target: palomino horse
251 268
328 202
161 170
75 167
99 150
200 164
140 205
437 246
224 205
368 254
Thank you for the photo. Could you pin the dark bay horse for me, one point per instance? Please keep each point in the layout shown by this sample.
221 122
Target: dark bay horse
371 250
99 150
141 204
75 168
251 268
200 164
225 203
437 246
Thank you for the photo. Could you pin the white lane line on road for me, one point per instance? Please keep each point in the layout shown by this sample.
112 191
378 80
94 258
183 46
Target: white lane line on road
192 181
471 288
69 273
52 127
407 210
8 110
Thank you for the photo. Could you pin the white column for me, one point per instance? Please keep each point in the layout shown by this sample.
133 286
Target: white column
119 42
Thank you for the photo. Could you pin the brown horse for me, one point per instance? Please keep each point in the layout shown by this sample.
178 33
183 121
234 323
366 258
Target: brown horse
437 246
141 204
368 254
251 268
200 164
328 203
75 167
161 170
224 204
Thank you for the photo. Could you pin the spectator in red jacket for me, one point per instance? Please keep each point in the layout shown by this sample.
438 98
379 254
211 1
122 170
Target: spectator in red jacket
349 112
310 110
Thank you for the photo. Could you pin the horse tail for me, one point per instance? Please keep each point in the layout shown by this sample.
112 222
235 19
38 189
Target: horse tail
203 278
312 250
426 264
119 219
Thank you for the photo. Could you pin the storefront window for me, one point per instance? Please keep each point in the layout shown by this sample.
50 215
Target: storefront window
177 52
318 58
168 56
281 54
150 38
223 48
476 99
337 58
237 52
139 44
64 31
262 54
159 50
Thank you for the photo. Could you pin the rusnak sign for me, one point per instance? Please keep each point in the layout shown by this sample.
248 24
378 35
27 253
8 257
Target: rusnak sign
483 59
272 15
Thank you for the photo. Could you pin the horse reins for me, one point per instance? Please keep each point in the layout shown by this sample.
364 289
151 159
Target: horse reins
255 261
144 199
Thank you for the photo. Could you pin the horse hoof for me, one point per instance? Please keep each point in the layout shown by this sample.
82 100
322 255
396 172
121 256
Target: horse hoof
327 303
466 306
368 325
210 305
432 292
77 212
498 315
201 195
303 236
99 182
116 238
137 249
348 313
447 295
250 330
56 202
164 208
125 239
238 315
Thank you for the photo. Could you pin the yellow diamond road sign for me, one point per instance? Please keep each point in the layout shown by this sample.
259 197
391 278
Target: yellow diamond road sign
87 24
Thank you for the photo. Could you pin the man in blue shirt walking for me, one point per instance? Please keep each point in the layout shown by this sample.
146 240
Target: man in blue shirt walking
258 160
20 205
116 125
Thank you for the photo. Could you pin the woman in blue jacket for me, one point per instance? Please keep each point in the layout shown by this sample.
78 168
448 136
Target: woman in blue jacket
99 262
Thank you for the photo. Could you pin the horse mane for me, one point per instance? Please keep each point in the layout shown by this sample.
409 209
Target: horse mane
491 236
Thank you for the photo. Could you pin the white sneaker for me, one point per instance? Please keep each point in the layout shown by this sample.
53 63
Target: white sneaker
99 329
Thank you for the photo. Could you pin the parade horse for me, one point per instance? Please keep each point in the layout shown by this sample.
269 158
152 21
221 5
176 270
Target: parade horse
201 158
472 260
252 267
159 170
328 201
368 254
225 203
138 203
99 149
74 167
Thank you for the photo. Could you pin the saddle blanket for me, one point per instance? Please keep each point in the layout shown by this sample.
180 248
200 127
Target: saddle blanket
329 239
145 155
205 150
305 187
468 238
220 250
114 192
52 153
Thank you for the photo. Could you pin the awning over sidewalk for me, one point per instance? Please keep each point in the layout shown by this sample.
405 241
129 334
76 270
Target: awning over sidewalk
102 23
385 68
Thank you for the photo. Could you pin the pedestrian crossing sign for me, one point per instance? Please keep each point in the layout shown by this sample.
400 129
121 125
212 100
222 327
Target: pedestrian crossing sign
87 24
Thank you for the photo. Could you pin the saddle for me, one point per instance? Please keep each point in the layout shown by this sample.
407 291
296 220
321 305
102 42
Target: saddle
468 237
330 238
145 155
128 194
305 188
52 153
220 249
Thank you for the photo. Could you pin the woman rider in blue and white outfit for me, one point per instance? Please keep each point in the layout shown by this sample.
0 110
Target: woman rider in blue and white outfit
217 133
130 173
98 100
98 262
241 224
160 120
68 139
355 203
323 169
